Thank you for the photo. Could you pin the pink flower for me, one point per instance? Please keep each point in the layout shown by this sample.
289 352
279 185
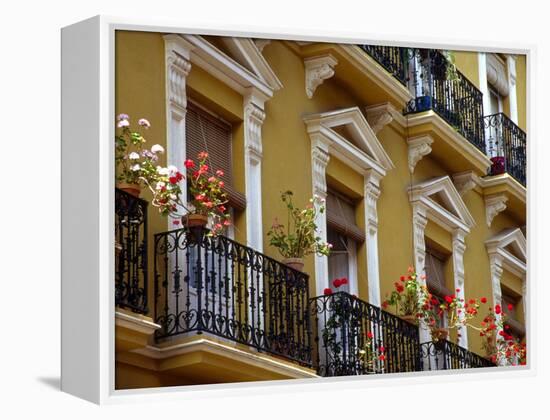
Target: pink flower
144 123
123 123
175 222
203 155
121 117
219 172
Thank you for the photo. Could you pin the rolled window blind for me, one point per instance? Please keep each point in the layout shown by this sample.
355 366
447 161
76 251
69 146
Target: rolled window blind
204 132
341 217
435 274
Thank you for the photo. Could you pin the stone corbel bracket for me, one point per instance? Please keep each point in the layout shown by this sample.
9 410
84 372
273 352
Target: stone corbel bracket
379 116
419 147
494 204
318 69
465 181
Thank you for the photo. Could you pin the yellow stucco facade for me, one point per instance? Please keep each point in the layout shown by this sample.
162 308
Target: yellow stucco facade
141 91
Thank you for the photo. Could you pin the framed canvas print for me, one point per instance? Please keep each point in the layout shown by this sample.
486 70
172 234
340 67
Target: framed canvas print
259 209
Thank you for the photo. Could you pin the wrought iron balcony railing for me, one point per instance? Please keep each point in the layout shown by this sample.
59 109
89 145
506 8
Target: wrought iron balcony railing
394 59
206 284
349 334
130 252
445 355
438 86
506 146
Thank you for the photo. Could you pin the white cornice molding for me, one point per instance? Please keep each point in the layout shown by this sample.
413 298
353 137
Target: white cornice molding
459 218
363 151
229 351
496 248
318 69
518 190
494 204
227 70
419 146
245 50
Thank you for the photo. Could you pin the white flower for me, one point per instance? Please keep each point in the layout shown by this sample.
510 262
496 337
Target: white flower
162 171
136 167
133 156
157 148
160 185
123 123
172 169
121 117
173 197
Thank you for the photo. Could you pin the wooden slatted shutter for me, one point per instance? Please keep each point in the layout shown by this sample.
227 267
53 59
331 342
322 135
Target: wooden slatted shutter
435 274
205 132
341 216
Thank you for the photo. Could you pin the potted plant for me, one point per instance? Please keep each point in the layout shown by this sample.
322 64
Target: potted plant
130 156
405 297
498 165
500 346
454 310
207 200
300 236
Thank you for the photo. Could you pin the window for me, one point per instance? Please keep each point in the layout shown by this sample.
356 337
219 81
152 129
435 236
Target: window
514 326
343 234
206 132
435 277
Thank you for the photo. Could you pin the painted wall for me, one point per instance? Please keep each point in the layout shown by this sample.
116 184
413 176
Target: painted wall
140 92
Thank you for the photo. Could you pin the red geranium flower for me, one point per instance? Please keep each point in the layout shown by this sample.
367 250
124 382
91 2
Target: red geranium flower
448 299
173 180
327 291
382 357
510 307
483 300
336 283
498 309
369 335
189 164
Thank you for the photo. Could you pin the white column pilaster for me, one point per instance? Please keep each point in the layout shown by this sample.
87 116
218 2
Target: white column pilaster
253 119
319 161
459 247
372 193
177 67
419 242
496 277
512 95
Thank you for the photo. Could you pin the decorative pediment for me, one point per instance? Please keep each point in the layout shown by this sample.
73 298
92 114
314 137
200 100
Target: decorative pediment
440 198
350 139
248 54
510 248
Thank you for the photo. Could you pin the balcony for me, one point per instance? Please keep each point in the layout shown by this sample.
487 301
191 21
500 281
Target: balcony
394 59
131 282
448 93
218 289
506 144
349 334
214 285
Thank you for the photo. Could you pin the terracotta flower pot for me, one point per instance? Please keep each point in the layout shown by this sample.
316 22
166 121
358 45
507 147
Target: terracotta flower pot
295 263
132 189
194 220
411 319
439 334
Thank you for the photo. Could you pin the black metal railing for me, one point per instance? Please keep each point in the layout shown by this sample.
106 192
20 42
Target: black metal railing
445 355
506 146
218 286
130 252
438 86
350 334
393 59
